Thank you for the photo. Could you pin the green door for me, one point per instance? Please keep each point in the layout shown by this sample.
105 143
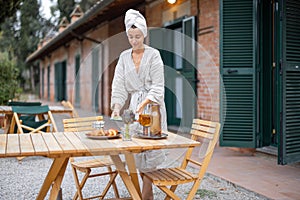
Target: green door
178 50
60 81
238 68
48 83
43 84
289 150
77 81
95 79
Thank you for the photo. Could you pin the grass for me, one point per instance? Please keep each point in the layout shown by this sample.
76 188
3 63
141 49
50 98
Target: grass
206 193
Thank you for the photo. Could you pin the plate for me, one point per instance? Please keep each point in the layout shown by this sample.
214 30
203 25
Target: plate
102 137
116 118
162 136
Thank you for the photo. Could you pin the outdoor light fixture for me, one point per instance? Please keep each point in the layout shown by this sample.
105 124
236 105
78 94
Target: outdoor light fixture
171 1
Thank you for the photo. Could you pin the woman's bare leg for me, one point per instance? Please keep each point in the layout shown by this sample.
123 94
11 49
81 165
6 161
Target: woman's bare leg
147 192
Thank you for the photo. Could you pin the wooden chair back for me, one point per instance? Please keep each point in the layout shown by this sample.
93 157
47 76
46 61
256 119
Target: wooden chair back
80 123
85 124
68 104
167 179
207 132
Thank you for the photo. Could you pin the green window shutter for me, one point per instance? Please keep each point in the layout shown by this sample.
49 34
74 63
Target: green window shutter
77 80
48 83
95 78
57 81
60 81
43 84
238 72
289 150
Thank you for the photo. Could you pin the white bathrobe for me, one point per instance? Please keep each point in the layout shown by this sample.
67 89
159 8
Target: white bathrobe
148 82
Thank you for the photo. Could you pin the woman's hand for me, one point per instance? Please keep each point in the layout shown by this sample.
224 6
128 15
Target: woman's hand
116 111
142 105
140 108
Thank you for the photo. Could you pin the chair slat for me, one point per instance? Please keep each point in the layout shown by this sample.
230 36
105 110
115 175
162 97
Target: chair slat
202 134
73 120
208 129
184 173
163 176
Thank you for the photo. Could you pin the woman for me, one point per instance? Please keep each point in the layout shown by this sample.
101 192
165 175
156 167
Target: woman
140 74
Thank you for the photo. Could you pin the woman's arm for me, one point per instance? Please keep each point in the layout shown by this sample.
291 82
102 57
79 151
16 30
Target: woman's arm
119 92
157 88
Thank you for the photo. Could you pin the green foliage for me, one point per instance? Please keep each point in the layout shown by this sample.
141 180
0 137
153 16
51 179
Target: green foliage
8 79
65 8
206 193
8 8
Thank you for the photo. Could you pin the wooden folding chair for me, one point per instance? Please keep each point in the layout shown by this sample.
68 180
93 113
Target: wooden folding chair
8 117
68 104
32 119
167 179
86 166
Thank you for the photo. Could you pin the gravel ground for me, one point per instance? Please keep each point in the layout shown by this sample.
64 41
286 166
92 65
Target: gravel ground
22 180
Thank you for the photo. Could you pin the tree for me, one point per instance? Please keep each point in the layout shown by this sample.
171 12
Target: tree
8 8
20 36
8 79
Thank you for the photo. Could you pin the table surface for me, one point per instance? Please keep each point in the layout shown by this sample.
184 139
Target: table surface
53 109
63 145
77 144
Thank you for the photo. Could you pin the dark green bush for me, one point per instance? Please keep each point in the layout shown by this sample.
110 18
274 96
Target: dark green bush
9 85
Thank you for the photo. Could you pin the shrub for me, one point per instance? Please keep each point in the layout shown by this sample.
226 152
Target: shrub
9 84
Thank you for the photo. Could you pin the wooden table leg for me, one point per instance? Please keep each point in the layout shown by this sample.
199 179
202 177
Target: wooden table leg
129 183
54 178
130 161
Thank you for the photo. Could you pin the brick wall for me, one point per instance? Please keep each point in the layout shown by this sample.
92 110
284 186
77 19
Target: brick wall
207 45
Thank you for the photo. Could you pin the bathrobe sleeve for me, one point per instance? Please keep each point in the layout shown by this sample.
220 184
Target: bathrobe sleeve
119 93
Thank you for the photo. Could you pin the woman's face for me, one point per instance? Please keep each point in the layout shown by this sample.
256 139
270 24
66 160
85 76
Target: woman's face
136 38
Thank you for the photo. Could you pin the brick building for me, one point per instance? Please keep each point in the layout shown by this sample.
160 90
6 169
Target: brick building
234 61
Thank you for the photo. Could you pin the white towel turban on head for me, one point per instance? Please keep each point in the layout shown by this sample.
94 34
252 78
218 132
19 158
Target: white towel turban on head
134 17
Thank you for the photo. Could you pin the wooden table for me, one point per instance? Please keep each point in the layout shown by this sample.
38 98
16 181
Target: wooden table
63 145
7 110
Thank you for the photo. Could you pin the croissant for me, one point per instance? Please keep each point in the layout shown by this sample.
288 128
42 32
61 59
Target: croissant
112 132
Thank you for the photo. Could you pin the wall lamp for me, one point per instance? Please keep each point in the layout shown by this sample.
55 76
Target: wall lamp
171 1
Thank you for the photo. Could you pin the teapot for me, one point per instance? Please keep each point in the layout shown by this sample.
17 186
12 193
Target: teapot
155 128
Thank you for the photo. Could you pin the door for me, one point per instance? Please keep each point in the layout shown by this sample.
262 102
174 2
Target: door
77 81
95 79
238 68
178 50
48 83
60 81
43 83
289 79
